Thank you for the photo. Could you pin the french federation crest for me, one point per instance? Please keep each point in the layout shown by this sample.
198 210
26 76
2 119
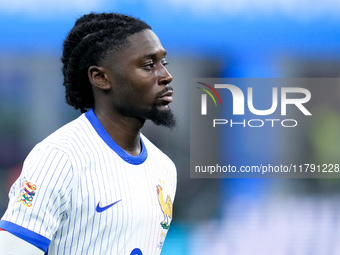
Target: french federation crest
27 194
166 207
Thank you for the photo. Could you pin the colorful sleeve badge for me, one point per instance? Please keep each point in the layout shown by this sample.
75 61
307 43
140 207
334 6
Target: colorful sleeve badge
27 194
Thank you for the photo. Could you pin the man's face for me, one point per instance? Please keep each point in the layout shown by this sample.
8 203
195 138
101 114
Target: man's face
140 81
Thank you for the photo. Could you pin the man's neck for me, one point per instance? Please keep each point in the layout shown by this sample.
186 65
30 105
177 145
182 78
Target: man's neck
125 131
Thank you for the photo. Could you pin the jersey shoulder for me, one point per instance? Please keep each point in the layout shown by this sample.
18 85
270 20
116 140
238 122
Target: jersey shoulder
71 140
153 150
71 134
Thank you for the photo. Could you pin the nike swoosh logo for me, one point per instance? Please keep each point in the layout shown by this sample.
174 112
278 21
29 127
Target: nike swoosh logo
102 209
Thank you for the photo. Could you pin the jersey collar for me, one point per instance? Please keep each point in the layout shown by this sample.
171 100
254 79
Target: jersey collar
135 160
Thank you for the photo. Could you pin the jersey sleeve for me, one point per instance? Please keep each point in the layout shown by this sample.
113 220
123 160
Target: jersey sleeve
13 245
40 197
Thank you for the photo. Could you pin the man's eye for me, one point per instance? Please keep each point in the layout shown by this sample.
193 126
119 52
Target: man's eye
164 62
149 66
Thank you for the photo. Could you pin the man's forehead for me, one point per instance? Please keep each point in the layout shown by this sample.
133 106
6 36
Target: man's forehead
146 43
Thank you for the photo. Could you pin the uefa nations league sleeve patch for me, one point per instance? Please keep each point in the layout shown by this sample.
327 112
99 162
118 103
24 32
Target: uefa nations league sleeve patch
27 193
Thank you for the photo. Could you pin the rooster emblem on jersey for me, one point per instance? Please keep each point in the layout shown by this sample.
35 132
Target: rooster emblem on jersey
165 206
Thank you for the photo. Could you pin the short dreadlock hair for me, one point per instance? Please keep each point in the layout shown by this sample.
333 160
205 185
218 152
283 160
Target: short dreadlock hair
93 37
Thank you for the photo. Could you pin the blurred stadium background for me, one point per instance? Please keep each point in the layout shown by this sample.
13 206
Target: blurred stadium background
207 38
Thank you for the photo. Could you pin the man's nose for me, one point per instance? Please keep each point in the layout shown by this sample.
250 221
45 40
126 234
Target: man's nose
165 78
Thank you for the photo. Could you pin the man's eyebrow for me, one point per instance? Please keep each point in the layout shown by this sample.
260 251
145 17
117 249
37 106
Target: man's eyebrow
154 54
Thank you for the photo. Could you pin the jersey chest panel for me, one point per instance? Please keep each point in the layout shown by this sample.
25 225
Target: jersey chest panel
118 207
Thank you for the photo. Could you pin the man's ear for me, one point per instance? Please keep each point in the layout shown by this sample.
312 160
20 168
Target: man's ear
98 77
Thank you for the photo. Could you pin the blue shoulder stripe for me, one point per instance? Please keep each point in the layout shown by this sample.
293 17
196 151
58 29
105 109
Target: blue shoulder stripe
29 236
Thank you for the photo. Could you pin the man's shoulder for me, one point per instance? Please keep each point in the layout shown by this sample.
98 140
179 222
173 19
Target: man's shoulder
155 151
72 133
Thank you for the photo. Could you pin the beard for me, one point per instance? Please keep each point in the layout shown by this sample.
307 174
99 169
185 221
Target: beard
162 118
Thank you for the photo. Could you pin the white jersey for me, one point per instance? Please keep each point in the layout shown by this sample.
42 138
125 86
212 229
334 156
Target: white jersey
80 193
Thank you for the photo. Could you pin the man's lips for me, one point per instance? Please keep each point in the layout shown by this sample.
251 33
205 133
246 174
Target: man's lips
167 96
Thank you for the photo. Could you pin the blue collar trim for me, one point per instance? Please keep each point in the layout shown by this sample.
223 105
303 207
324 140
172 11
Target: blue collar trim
135 160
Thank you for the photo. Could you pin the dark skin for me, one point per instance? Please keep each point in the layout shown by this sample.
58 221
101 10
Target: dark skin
128 85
